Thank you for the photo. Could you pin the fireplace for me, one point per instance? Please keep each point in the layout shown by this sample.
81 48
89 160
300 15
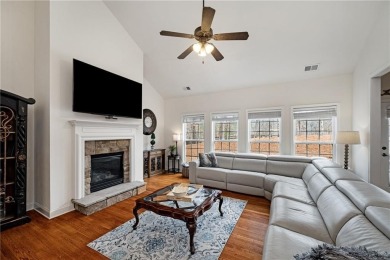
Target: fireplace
98 137
106 170
106 164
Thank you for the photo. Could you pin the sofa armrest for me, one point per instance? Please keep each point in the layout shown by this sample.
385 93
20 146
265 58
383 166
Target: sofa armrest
192 170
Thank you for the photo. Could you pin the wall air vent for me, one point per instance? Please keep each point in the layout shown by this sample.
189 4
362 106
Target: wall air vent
311 67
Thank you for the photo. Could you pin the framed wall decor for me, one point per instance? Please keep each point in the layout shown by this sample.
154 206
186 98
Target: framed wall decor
149 121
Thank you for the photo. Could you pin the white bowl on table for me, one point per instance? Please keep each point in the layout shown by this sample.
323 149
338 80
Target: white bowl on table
180 191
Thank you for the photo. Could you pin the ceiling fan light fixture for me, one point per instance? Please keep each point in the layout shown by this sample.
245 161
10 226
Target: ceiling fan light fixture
209 48
203 34
196 47
202 52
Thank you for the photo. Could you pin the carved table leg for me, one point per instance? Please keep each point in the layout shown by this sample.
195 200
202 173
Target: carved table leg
136 216
220 205
191 225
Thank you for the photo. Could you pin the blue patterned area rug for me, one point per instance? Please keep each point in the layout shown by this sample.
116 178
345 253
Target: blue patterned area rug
158 237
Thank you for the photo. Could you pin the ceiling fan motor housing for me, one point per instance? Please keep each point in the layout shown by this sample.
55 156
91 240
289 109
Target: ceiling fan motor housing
203 36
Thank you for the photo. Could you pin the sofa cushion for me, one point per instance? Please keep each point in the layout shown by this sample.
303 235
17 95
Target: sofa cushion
364 194
270 180
360 232
309 172
246 164
252 179
325 163
289 158
380 217
336 210
281 243
215 174
211 183
317 185
251 156
225 162
256 191
290 169
335 174
293 192
299 217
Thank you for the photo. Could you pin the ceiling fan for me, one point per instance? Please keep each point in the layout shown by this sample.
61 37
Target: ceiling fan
203 34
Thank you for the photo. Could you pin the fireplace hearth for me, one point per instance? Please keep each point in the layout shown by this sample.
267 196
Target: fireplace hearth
106 170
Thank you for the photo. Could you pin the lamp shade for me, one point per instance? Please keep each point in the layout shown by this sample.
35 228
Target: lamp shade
176 137
348 137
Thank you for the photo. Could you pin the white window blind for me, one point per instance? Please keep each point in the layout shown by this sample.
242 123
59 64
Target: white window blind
193 118
225 116
315 112
264 114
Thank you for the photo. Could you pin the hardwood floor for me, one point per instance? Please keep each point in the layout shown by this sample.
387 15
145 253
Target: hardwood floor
66 236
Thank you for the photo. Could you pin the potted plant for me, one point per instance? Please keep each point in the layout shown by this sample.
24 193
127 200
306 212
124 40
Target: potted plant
152 142
172 149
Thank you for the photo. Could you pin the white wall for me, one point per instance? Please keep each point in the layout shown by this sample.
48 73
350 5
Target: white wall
374 58
42 107
317 91
89 32
38 41
17 68
152 100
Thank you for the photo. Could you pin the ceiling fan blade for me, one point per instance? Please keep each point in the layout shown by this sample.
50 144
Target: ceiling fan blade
176 34
216 54
231 36
207 18
185 53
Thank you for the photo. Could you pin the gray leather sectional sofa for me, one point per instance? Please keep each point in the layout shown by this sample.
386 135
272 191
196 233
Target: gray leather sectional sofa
314 201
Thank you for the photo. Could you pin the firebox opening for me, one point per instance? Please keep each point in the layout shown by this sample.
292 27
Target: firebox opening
106 170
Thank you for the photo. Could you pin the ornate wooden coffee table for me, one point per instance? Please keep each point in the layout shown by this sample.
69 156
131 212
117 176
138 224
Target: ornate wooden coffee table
188 212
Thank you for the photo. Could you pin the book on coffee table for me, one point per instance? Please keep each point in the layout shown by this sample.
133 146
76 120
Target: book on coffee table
193 190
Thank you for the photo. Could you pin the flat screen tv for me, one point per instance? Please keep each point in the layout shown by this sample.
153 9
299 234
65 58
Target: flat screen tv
97 91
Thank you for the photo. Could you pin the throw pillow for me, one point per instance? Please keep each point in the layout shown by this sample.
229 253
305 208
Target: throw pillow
329 252
208 160
204 160
213 159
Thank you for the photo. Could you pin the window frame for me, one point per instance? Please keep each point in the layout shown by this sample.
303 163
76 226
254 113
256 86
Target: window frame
335 123
184 130
226 121
248 132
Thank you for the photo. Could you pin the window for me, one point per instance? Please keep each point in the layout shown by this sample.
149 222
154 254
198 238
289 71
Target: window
193 129
264 131
315 128
225 132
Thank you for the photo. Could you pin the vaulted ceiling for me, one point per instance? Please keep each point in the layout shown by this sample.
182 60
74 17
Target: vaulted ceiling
284 37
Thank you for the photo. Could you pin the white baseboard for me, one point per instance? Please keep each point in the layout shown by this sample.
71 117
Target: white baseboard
61 211
30 206
52 214
42 210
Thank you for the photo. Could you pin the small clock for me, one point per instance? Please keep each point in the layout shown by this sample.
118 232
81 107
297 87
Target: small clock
150 121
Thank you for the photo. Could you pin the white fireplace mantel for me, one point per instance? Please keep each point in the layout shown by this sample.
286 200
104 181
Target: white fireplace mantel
100 130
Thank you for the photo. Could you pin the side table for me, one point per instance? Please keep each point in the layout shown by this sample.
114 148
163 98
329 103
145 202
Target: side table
173 160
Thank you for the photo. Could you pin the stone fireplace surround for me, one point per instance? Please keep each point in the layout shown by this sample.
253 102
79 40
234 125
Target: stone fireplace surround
105 137
103 147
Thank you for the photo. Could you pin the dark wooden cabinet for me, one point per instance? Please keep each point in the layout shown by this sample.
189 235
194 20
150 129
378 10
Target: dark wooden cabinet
154 162
13 158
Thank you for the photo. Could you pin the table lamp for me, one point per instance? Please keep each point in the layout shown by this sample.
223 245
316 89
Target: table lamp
347 138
